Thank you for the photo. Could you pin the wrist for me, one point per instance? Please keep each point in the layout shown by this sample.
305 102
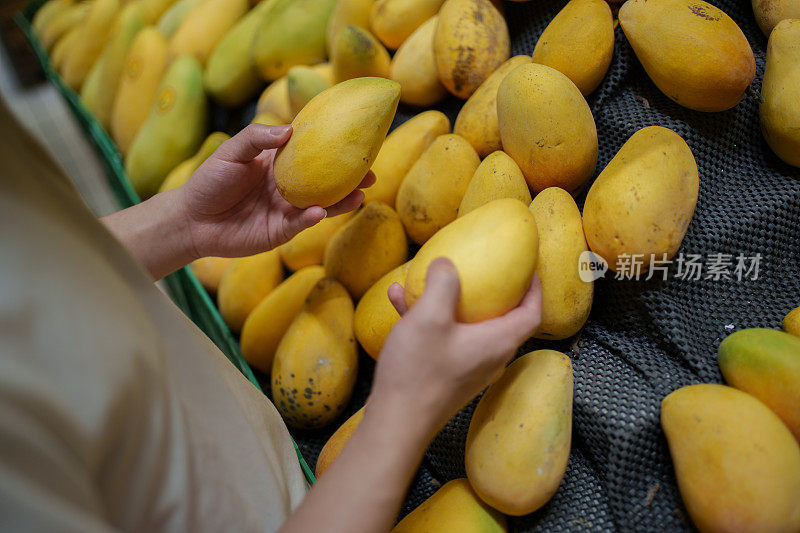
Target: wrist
415 418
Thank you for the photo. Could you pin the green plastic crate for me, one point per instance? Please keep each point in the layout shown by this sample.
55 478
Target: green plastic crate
183 287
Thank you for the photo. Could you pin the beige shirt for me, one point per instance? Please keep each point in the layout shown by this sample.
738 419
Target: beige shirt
116 412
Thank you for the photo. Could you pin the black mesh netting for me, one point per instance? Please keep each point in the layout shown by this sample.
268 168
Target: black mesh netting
646 338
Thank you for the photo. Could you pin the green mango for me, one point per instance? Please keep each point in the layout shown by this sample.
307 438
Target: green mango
173 16
766 364
231 77
174 129
181 174
100 88
303 84
293 34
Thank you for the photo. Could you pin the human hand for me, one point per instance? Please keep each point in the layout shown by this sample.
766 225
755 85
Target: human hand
232 206
432 365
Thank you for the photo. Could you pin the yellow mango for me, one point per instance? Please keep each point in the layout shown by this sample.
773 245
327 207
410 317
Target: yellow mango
336 443
780 92
579 43
308 247
168 22
766 364
204 27
414 67
173 131
154 9
737 465
566 299
769 13
519 437
62 23
454 508
181 174
292 34
369 245
334 141
267 118
477 120
303 84
375 315
494 248
231 77
275 100
93 34
271 318
357 54
355 12
470 42
498 176
51 10
138 85
316 363
246 282
693 51
429 196
62 48
643 201
392 21
400 151
546 126
791 322
325 70
100 88
209 271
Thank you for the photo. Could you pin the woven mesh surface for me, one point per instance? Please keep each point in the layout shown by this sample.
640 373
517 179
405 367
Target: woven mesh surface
646 338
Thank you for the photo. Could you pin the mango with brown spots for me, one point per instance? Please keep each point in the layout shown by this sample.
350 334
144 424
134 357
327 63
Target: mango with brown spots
357 54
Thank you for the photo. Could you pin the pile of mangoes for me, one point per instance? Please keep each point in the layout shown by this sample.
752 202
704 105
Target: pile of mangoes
494 192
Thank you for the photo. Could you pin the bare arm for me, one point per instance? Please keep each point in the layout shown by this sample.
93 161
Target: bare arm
430 367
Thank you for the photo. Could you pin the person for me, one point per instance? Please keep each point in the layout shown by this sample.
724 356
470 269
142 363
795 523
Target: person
117 413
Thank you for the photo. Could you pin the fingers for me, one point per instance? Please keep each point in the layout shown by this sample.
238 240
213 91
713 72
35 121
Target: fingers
251 141
298 220
368 181
397 296
519 323
351 202
442 290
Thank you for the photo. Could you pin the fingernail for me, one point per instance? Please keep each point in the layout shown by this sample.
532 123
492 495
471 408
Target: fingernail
281 130
324 214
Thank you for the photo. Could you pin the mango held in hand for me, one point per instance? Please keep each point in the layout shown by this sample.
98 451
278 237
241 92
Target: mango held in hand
566 298
174 129
643 201
579 43
246 282
693 51
316 362
370 245
519 437
738 466
470 42
401 149
336 443
780 107
454 508
766 364
265 326
498 176
375 315
433 188
335 139
477 120
547 128
494 248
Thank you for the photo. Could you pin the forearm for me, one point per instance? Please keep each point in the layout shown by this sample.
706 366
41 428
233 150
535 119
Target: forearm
155 232
364 487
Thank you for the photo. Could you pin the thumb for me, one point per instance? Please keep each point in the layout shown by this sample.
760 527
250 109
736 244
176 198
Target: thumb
442 289
251 141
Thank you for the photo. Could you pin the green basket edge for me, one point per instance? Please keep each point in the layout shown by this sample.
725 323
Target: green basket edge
183 286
